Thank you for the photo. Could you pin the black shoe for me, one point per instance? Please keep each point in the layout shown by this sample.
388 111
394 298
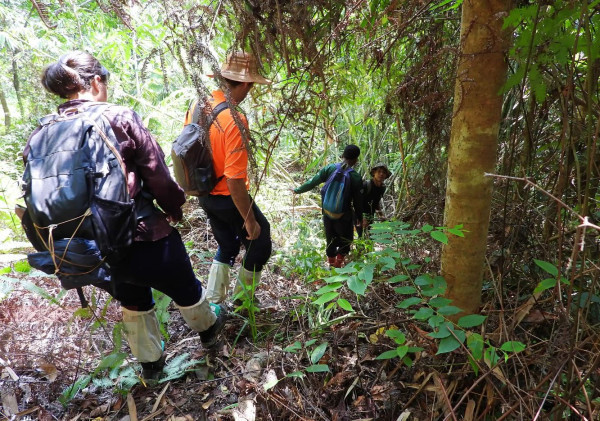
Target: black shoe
210 336
151 372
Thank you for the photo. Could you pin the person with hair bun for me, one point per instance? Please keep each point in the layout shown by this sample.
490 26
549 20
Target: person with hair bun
339 233
157 259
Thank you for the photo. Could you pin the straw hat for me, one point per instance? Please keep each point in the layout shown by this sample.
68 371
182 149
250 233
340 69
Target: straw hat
242 67
381 165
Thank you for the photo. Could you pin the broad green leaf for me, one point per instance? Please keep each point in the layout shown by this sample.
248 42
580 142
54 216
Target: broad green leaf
442 332
295 347
388 355
449 310
70 392
513 346
328 288
439 236
423 280
548 267
356 285
439 302
473 365
544 285
318 352
432 291
409 302
457 230
396 335
22 266
471 320
349 268
317 368
299 374
402 351
366 273
326 298
423 313
435 321
344 304
310 342
448 344
387 263
111 361
426 228
405 290
475 345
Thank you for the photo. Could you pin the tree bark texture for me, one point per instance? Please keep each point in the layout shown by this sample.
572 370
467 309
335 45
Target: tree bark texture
473 148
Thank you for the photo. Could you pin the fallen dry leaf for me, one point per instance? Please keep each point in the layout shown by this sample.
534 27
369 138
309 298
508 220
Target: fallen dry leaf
49 370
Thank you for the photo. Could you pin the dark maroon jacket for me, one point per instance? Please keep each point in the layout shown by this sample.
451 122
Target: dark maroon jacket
145 165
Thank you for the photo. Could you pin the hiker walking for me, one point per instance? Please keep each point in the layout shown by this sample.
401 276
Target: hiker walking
157 258
234 217
373 191
339 228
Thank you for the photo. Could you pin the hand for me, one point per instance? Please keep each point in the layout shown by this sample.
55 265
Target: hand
172 219
252 228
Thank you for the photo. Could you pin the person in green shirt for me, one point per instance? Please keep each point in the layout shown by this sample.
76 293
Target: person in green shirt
339 233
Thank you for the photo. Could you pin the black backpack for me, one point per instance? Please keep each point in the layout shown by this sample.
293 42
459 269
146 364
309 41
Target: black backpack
79 214
192 154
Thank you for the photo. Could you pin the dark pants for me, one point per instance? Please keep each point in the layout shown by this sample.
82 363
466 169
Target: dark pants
228 228
339 234
163 265
359 228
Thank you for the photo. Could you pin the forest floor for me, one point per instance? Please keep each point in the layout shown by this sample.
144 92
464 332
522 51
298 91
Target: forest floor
305 363
47 344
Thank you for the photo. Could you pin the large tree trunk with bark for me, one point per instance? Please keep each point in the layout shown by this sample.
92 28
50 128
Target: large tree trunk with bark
473 146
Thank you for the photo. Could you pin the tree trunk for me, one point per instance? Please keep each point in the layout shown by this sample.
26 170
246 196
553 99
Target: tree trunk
476 119
6 111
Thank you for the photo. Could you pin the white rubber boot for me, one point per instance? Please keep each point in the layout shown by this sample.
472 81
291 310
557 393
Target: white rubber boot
143 334
199 316
246 278
218 282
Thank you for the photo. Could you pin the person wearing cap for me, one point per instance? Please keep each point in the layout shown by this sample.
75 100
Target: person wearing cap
339 233
234 217
373 191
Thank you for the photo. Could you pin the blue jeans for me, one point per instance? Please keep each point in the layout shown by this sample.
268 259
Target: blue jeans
163 265
228 228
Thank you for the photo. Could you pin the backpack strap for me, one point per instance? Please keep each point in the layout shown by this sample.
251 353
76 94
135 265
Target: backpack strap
216 111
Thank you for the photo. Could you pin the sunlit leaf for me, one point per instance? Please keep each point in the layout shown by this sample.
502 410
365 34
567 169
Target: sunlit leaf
326 298
317 368
356 285
344 304
318 352
439 236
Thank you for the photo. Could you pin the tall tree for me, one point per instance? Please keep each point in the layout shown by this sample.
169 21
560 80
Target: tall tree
481 72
